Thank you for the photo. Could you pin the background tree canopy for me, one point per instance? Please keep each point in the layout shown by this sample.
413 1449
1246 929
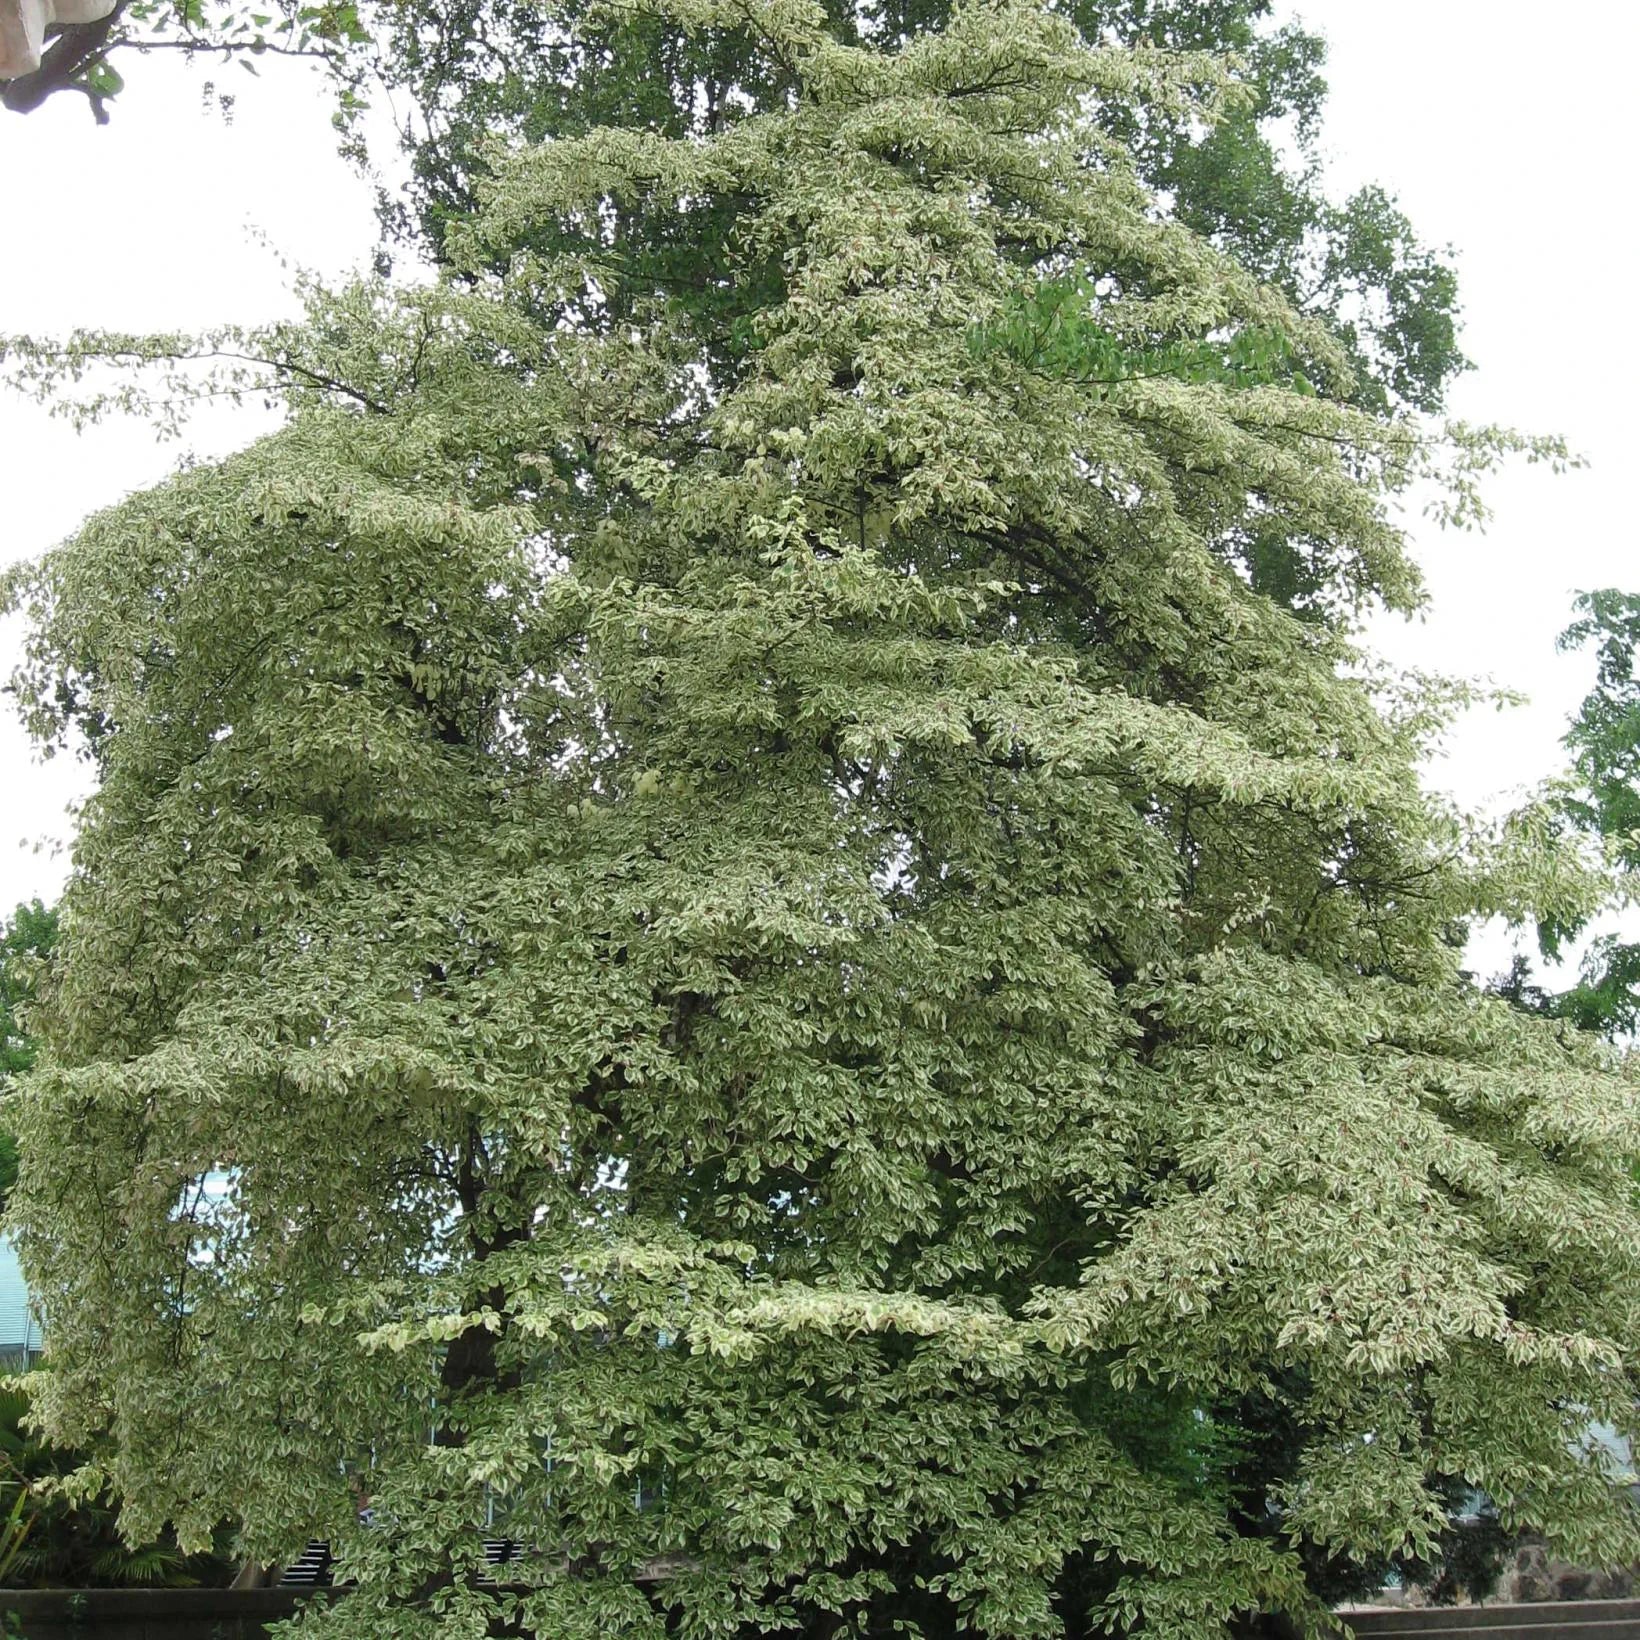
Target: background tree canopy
491 66
723 878
1600 799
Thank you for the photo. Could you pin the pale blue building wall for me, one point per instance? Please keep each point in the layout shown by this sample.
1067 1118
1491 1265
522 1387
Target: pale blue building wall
19 1327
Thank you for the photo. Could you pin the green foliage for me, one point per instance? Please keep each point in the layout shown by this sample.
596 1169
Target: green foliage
1358 264
14 1531
26 940
1605 735
1601 800
1051 326
734 900
1475 1549
65 1538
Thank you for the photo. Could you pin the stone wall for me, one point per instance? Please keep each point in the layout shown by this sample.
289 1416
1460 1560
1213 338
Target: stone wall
1537 1576
149 1614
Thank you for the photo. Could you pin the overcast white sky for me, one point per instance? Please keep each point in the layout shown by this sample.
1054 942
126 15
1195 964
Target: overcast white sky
1505 130
161 220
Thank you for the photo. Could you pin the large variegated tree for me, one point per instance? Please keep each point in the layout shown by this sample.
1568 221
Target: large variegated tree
719 934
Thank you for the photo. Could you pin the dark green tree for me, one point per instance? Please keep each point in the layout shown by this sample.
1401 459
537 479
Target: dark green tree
1603 802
